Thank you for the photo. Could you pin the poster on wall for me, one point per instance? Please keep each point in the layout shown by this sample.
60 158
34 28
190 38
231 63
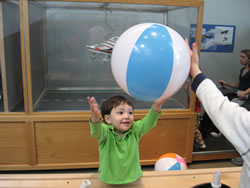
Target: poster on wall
215 38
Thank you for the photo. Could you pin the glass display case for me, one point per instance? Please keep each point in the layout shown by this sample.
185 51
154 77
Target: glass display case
11 91
47 72
62 70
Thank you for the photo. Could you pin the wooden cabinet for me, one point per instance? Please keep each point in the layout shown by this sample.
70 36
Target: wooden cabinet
60 142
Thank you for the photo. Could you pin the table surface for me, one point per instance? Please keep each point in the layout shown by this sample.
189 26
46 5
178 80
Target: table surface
150 179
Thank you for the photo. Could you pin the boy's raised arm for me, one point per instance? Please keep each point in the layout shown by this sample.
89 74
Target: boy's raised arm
94 108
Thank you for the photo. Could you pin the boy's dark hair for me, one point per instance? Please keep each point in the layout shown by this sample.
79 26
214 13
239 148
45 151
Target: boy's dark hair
113 102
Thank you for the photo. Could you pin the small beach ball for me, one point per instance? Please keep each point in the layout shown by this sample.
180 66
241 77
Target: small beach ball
150 61
170 161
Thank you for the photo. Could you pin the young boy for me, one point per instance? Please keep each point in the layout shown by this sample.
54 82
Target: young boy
119 137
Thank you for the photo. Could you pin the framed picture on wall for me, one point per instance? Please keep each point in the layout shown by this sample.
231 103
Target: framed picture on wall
215 38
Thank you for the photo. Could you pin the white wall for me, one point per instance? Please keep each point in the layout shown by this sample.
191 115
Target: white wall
226 66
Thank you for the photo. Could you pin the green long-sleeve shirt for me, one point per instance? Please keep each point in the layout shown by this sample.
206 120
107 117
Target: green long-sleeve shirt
119 157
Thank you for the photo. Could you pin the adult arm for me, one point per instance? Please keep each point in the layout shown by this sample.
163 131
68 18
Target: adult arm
244 94
232 85
231 119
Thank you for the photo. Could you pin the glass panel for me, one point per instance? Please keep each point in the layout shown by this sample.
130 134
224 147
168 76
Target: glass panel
65 72
11 91
180 19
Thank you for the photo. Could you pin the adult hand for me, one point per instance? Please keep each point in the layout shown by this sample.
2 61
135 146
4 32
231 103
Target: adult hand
194 68
222 82
242 95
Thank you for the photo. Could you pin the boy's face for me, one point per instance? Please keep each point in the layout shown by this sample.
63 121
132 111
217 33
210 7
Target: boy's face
121 117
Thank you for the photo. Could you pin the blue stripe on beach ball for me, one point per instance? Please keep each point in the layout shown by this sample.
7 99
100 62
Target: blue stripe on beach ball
150 64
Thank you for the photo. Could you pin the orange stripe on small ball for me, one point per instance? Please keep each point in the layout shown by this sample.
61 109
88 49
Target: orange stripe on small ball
170 155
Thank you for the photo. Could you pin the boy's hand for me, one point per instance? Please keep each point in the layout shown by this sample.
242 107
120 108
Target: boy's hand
158 103
94 108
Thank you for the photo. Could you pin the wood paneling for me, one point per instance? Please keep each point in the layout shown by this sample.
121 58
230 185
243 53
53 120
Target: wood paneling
169 136
65 142
13 144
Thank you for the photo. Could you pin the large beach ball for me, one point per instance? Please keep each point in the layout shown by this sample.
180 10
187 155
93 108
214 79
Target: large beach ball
150 61
170 161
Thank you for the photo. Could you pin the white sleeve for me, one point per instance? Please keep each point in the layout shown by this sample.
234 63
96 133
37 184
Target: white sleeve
231 119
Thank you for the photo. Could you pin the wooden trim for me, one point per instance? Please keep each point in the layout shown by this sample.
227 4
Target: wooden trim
214 156
190 141
24 73
199 27
189 3
50 166
31 142
81 116
26 34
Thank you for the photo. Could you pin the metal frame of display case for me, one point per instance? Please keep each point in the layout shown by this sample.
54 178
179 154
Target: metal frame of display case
58 140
